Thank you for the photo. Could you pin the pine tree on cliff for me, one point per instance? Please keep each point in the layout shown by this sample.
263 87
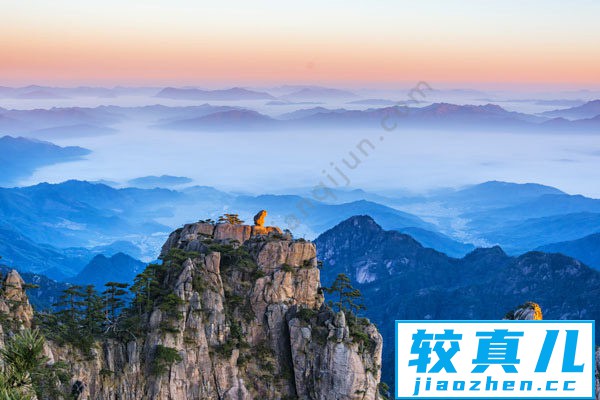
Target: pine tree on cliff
70 306
143 288
114 301
348 298
232 219
78 319
93 315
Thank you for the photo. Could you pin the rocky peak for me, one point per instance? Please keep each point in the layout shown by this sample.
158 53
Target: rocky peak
481 261
14 303
361 223
483 253
238 314
361 249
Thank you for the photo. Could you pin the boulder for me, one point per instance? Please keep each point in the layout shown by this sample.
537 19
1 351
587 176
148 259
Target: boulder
259 219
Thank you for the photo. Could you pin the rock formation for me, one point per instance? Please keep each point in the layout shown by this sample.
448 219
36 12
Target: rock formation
14 303
190 237
527 311
259 219
245 319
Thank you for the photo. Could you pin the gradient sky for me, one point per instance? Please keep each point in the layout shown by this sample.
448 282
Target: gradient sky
181 42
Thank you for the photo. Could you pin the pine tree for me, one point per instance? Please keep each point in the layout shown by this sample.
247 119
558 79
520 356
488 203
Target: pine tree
113 302
232 219
76 321
142 289
25 371
70 306
349 298
93 315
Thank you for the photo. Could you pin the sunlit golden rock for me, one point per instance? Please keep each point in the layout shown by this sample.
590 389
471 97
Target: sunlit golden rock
265 230
259 219
527 311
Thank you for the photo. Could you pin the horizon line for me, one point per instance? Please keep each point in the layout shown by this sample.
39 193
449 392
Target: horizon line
396 85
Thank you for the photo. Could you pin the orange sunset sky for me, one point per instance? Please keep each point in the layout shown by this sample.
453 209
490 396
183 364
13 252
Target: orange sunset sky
174 42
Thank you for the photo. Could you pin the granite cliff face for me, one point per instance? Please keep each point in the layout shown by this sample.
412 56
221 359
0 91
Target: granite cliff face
14 304
245 319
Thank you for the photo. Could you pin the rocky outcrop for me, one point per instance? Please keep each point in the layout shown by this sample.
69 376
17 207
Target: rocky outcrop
14 304
245 319
191 237
273 254
327 367
527 311
238 233
265 230
259 227
259 218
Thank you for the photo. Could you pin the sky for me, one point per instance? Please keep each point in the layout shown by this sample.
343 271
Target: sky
344 43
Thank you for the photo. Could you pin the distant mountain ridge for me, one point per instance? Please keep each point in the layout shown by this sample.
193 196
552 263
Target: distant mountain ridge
438 241
373 102
318 94
81 214
20 156
224 120
307 112
320 216
426 116
26 255
235 93
586 249
164 181
76 214
519 217
588 110
495 194
522 235
545 205
12 121
71 131
400 279
101 269
490 117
